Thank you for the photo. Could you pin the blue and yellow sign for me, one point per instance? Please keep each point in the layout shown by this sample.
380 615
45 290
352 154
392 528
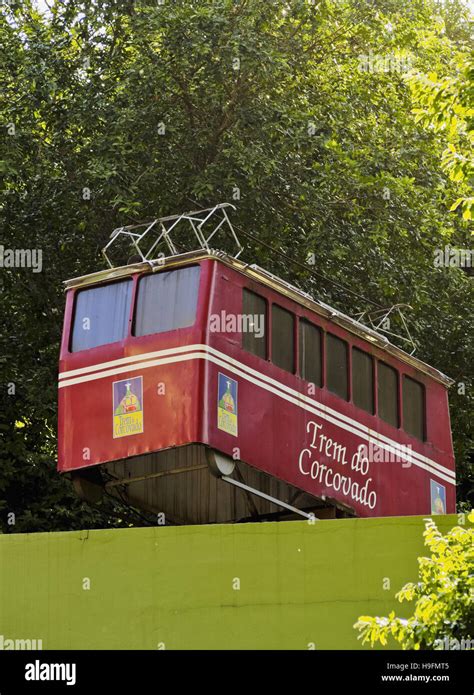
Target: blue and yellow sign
438 498
227 404
128 407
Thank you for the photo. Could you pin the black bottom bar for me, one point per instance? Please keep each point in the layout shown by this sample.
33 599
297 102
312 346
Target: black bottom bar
151 672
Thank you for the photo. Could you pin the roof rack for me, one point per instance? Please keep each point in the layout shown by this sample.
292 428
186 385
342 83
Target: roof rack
377 321
147 237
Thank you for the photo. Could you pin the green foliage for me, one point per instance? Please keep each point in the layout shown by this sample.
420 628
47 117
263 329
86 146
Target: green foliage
443 596
447 105
117 112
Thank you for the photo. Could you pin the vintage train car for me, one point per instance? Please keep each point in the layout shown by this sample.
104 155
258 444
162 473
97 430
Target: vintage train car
206 390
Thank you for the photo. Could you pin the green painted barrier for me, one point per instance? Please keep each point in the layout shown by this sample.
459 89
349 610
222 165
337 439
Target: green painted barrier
280 585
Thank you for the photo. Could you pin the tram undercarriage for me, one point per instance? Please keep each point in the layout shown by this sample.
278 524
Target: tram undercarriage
196 485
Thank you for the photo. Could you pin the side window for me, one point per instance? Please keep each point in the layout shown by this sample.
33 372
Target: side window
101 315
283 338
254 335
336 366
310 352
387 379
413 407
166 301
362 380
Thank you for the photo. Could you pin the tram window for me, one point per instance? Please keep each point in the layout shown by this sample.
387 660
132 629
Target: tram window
310 352
336 366
362 380
167 301
101 315
413 407
387 380
283 338
254 337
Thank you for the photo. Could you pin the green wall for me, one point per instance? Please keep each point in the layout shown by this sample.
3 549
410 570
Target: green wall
299 584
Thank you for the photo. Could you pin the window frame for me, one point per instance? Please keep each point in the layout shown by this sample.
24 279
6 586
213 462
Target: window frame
294 338
397 393
266 356
87 288
302 320
405 377
355 348
327 335
135 298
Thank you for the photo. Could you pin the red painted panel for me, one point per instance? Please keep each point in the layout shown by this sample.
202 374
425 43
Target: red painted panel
288 441
278 431
172 400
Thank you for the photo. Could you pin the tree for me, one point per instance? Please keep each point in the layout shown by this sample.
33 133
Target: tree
443 616
121 112
446 104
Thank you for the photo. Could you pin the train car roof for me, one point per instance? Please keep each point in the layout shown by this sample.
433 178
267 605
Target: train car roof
266 278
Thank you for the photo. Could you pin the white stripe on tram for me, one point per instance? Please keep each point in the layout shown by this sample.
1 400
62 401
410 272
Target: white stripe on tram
192 352
131 359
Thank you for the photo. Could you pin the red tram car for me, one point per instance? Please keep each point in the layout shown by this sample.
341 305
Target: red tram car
205 389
